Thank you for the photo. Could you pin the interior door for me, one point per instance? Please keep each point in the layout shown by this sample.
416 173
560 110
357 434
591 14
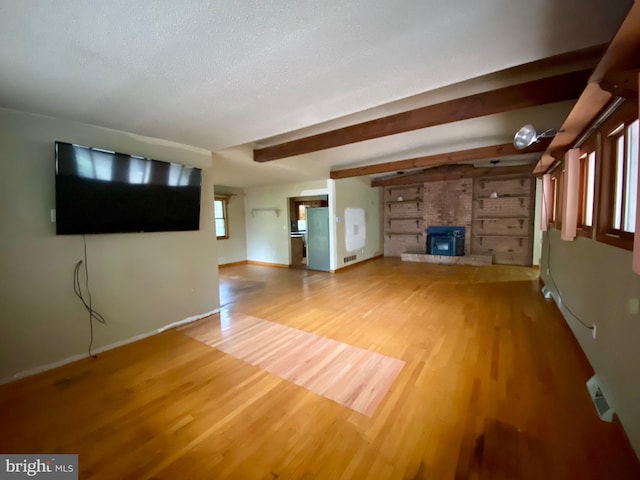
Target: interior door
318 238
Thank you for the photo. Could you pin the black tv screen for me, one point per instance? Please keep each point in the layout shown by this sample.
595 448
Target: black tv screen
99 191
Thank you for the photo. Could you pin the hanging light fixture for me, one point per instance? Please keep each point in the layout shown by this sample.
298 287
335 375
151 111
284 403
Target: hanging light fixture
527 136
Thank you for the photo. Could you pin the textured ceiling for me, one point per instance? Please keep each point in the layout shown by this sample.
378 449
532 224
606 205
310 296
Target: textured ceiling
225 73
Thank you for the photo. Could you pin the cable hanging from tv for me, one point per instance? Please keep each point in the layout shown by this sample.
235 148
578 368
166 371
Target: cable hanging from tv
87 303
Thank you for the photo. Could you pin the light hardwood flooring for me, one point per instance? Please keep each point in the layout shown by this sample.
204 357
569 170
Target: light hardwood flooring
352 376
493 388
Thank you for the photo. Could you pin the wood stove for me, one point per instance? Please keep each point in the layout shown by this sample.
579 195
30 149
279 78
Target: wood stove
447 241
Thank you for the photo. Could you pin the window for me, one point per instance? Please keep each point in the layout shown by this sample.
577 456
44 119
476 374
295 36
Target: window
628 168
557 177
554 199
586 194
620 138
222 222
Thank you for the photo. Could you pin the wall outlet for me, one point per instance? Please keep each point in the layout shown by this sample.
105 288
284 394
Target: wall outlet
53 215
634 306
593 332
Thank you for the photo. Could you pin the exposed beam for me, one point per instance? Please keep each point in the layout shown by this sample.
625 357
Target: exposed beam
619 57
622 84
622 52
558 88
482 153
452 172
592 101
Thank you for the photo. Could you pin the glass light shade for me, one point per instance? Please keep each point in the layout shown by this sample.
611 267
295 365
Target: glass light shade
525 137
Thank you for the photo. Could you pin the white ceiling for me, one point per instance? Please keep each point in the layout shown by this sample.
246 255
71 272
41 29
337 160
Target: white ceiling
225 74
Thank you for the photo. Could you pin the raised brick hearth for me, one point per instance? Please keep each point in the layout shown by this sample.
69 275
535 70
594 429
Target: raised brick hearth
477 260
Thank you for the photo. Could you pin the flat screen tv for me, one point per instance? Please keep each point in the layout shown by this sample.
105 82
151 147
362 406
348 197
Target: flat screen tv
98 191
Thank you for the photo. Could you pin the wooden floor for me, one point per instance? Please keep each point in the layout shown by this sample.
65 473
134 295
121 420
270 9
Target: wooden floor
352 376
493 388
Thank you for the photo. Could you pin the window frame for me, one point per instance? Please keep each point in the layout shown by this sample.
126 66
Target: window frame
557 178
554 201
225 211
606 233
588 148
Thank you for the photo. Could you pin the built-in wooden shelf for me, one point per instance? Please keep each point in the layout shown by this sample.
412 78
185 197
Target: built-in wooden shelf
417 201
508 195
415 219
266 209
519 218
501 178
514 217
519 196
520 238
502 226
418 235
417 188
499 235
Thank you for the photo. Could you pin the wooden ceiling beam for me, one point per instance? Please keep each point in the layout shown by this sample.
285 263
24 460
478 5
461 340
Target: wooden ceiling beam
622 52
452 172
482 153
558 88
612 74
621 84
592 101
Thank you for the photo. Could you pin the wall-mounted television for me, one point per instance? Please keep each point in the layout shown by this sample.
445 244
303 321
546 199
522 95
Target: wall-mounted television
99 191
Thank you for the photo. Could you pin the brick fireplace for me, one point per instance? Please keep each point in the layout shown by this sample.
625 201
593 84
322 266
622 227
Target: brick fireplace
496 213
449 203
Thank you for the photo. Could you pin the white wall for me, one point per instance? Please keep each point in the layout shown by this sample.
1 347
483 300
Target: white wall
268 235
139 282
267 232
358 193
595 281
234 248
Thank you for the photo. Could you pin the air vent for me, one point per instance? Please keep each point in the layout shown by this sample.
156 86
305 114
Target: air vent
350 258
605 411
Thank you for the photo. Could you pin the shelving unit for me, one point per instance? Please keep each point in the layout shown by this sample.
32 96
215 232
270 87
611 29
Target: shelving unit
417 189
417 201
503 219
484 180
502 236
391 220
266 209
400 234
403 219
520 218
483 197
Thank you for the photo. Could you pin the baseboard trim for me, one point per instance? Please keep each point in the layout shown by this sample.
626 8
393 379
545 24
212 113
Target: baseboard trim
75 358
357 264
232 264
267 264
